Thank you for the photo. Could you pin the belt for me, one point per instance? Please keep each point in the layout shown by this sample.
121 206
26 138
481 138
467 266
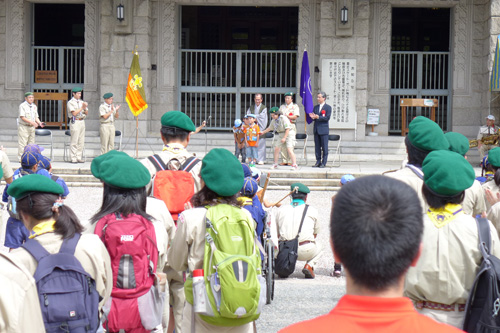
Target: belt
305 242
79 118
439 306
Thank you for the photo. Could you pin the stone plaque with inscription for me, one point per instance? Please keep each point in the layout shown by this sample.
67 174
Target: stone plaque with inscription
338 80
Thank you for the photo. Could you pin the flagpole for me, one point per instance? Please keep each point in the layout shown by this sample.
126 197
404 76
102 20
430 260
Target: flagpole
136 136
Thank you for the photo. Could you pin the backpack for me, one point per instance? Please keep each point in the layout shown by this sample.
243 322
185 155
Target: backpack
288 252
67 293
482 308
174 186
131 244
233 279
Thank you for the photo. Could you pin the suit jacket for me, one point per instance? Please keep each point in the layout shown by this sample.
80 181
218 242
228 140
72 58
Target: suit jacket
321 126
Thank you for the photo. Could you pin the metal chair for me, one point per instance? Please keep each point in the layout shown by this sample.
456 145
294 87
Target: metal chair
301 136
335 150
45 132
270 135
67 145
119 134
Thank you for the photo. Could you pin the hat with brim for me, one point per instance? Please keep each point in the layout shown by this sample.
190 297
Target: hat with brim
222 172
107 95
458 142
425 134
177 119
76 89
34 148
494 157
122 171
490 117
29 159
346 179
250 187
300 188
32 183
447 173
44 162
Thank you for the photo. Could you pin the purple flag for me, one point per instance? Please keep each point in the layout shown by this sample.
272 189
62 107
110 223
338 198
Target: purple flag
305 87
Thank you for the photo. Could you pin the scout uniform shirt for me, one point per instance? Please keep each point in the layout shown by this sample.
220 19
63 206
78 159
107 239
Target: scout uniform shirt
288 218
492 186
474 199
281 124
487 130
291 109
73 105
103 109
412 176
29 111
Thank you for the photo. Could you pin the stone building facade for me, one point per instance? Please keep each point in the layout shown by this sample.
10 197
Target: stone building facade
154 27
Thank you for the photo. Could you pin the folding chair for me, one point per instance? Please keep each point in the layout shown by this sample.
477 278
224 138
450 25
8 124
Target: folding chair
335 150
119 134
45 132
67 145
301 136
270 135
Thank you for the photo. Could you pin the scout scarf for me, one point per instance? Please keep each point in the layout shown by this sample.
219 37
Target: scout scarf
43 228
174 147
444 215
297 202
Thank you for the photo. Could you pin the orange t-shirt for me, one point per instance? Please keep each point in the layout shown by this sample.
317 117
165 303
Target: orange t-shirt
252 133
374 315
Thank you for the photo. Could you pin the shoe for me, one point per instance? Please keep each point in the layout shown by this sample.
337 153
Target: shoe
81 161
335 274
275 166
261 163
316 165
283 164
308 272
295 167
74 162
322 166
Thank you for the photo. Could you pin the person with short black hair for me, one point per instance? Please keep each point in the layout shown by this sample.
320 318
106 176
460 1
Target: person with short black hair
440 283
375 232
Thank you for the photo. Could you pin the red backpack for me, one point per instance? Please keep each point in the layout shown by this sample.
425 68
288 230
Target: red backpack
131 244
174 187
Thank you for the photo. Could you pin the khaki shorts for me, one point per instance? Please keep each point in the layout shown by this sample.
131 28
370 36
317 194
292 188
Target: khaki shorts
289 143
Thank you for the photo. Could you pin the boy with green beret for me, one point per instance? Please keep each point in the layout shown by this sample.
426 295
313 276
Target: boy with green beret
474 199
492 188
423 137
27 123
450 258
108 112
292 112
289 218
281 125
77 112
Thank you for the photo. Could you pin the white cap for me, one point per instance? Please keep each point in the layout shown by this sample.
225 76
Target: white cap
490 117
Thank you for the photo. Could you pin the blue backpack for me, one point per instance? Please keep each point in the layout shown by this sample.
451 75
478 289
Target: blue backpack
67 294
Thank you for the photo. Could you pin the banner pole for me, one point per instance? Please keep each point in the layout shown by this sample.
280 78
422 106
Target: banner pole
136 137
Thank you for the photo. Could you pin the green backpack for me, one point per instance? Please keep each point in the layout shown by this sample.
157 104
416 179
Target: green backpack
233 279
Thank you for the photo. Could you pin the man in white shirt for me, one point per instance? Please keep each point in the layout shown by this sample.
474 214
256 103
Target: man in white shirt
28 114
77 111
485 131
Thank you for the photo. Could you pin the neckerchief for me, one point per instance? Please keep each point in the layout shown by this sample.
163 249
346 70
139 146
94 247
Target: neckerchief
444 215
173 147
297 202
43 228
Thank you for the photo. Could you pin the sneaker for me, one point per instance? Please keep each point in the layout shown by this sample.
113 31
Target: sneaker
335 273
275 166
261 163
295 167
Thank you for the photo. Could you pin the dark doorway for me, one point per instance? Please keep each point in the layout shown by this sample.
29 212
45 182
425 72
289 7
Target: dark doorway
421 29
239 28
59 25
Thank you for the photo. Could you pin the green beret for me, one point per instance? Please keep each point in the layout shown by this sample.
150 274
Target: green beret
426 135
29 93
122 171
289 94
33 183
274 109
96 162
177 119
458 142
302 188
222 172
107 95
76 89
494 157
447 173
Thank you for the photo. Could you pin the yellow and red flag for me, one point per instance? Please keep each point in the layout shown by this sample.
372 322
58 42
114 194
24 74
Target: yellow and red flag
136 97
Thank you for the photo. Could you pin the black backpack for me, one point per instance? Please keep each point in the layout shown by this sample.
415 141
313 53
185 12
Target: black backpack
482 311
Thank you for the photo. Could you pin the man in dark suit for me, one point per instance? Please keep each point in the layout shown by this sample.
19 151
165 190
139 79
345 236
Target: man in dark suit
321 116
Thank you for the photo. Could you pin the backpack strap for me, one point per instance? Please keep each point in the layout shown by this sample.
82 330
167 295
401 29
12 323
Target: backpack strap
69 244
302 221
157 162
189 164
35 249
483 229
54 178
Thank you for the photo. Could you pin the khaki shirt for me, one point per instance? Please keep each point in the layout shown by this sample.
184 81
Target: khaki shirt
28 111
486 130
19 304
7 169
280 125
288 220
490 185
104 109
474 199
406 175
290 109
188 246
73 105
449 261
494 216
181 154
159 211
90 252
